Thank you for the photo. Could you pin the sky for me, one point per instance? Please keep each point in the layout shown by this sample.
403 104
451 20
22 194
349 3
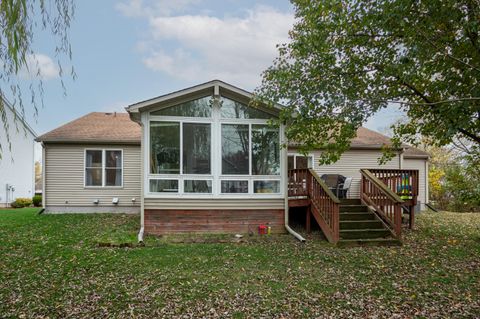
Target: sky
125 51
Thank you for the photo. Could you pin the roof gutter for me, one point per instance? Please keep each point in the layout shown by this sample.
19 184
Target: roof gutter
96 141
134 115
416 156
355 147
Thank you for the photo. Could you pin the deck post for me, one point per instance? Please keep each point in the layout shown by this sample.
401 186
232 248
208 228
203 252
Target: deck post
398 220
308 221
411 221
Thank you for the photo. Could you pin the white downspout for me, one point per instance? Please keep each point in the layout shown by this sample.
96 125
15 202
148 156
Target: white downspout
142 182
288 228
285 185
400 159
44 174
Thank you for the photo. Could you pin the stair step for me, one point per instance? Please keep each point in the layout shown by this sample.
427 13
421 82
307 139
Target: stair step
356 216
350 201
353 208
369 242
360 224
364 233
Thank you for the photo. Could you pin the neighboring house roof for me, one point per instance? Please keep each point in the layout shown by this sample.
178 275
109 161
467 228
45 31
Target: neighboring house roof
96 127
369 138
412 152
19 117
365 138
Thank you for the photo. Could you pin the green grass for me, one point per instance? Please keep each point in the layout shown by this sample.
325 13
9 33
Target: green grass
52 266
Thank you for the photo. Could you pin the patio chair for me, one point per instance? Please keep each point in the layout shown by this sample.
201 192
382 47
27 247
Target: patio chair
333 181
343 188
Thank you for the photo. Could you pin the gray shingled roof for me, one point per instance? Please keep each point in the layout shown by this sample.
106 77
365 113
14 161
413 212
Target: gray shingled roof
413 152
96 127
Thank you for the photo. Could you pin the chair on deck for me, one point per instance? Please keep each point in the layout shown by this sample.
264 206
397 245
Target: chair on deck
338 184
343 188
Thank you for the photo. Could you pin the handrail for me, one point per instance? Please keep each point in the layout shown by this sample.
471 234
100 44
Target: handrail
324 186
324 205
386 203
382 186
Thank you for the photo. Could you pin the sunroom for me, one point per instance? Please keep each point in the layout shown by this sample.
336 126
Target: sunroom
210 155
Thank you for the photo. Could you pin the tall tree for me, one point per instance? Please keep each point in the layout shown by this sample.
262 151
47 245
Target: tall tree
20 21
348 59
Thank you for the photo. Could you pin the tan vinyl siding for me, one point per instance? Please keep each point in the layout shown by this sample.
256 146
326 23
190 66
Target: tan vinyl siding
192 204
350 164
418 163
64 177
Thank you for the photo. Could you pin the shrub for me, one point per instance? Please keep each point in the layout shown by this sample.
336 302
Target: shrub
21 202
37 200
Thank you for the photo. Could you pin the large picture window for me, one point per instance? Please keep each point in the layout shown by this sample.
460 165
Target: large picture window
166 143
213 147
165 147
235 149
196 148
265 150
197 108
235 110
103 168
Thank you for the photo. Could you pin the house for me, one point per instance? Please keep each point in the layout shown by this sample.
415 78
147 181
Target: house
17 162
201 159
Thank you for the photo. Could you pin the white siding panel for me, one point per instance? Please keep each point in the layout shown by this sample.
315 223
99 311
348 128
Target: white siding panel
16 163
419 163
350 164
251 203
64 174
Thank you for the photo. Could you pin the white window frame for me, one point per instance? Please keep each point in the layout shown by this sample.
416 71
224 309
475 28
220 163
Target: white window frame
104 150
216 176
295 155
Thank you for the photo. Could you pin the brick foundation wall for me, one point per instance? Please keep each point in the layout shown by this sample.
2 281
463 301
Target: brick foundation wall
160 221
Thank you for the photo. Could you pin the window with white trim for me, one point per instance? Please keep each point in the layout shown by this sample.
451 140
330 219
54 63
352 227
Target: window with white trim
300 161
103 168
220 147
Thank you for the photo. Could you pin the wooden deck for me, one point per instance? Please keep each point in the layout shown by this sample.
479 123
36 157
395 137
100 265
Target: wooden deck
375 217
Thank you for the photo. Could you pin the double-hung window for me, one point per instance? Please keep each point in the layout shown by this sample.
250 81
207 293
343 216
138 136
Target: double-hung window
103 168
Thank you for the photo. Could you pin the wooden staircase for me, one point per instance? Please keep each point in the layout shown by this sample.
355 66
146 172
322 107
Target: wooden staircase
360 227
351 222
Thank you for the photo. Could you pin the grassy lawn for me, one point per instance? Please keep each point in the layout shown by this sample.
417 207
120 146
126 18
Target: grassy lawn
53 266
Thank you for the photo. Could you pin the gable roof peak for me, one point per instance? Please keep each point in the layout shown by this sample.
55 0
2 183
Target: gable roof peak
213 87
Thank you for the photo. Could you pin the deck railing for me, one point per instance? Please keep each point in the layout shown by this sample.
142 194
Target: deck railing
325 206
378 193
297 182
403 182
